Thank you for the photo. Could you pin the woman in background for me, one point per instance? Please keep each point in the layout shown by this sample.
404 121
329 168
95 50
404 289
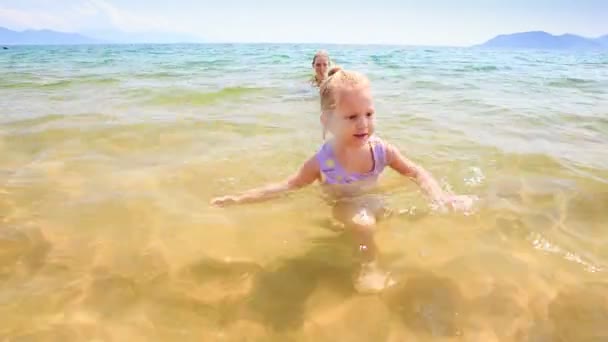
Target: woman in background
320 64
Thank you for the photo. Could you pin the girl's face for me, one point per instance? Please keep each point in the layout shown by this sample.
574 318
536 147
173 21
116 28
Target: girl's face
321 64
353 120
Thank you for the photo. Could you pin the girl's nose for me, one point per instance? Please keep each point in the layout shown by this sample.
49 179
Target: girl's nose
362 122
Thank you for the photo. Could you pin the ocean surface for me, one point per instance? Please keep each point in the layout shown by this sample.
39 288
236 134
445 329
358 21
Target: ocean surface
109 156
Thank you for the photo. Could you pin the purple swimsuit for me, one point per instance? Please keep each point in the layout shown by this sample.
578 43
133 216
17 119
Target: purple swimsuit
332 173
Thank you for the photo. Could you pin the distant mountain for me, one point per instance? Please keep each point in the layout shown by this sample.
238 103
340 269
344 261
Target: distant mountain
49 37
46 37
144 37
543 40
603 40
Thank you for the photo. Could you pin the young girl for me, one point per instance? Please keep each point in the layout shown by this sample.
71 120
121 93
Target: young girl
348 167
320 65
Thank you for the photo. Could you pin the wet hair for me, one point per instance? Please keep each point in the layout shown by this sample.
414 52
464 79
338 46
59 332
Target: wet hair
338 79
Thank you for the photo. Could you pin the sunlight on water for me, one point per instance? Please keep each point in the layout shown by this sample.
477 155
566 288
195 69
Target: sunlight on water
110 155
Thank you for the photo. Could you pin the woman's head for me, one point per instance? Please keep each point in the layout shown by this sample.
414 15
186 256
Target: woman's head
320 64
347 109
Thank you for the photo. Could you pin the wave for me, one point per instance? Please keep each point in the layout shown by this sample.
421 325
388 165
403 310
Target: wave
430 85
280 57
158 75
59 84
479 68
49 118
541 243
387 61
191 97
570 82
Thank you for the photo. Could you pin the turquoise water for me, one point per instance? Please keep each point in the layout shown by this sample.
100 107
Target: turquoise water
110 154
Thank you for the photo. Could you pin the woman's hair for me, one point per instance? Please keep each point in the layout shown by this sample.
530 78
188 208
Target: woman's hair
337 80
321 53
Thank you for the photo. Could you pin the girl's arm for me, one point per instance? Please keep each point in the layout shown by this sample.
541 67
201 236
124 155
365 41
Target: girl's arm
425 180
408 168
308 173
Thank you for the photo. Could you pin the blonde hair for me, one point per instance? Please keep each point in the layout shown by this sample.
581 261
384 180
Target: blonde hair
337 80
321 53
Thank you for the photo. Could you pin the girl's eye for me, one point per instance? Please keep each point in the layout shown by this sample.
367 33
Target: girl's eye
352 117
369 115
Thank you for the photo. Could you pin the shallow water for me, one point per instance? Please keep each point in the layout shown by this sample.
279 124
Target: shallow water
109 156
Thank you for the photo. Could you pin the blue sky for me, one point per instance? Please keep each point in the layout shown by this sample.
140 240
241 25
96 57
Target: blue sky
421 22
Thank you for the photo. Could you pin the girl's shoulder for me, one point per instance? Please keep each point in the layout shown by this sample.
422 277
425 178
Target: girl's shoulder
380 147
324 150
375 140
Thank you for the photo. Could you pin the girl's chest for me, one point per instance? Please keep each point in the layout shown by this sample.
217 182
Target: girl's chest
348 169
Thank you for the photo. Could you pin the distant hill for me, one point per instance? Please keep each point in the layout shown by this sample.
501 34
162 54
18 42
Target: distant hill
603 40
49 37
39 37
544 40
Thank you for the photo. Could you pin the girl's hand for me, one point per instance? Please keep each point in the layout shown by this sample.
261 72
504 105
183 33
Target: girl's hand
462 203
307 174
224 201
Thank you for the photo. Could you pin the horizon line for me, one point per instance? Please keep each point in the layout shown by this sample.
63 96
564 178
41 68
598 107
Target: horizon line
246 43
202 40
